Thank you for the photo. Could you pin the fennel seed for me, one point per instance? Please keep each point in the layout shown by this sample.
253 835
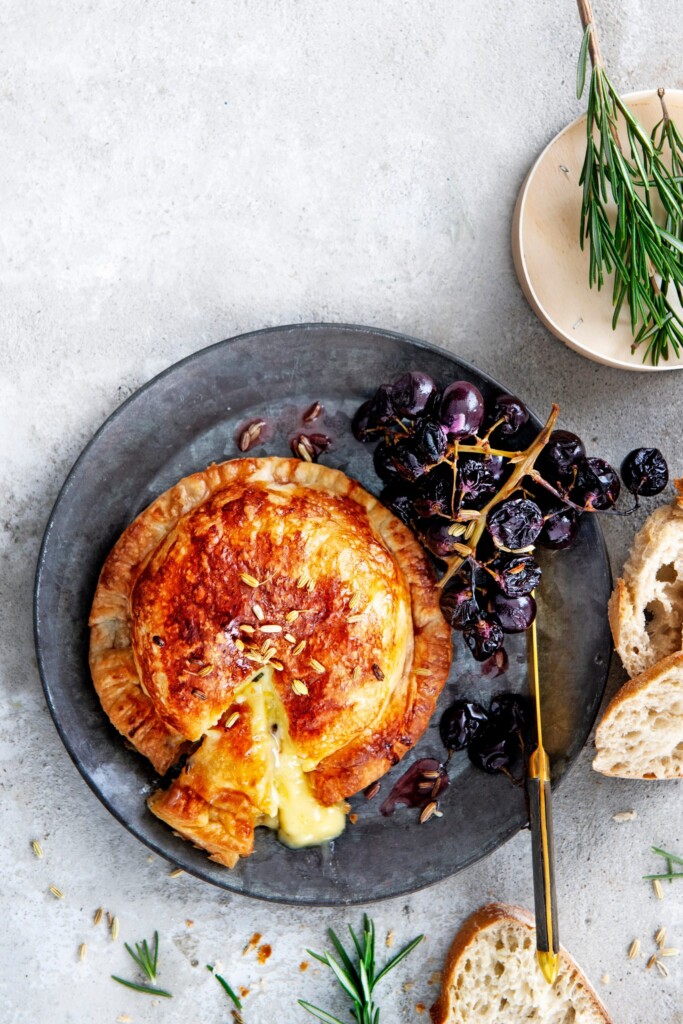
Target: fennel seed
634 949
299 687
57 893
37 849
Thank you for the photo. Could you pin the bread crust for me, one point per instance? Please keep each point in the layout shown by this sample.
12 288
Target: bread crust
635 689
481 920
165 675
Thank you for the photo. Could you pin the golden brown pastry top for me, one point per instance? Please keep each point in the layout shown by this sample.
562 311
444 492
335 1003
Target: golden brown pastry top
178 626
325 581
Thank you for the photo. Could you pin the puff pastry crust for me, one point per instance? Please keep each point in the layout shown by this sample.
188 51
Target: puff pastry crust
263 591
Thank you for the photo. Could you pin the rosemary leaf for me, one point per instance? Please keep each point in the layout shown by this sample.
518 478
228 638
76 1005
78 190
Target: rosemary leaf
583 62
147 989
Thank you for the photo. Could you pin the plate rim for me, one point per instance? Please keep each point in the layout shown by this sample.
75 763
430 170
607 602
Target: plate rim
197 870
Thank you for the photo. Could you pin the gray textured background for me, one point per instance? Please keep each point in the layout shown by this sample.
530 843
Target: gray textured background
175 173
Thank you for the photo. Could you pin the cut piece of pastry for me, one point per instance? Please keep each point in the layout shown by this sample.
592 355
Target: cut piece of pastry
646 608
641 733
492 976
277 613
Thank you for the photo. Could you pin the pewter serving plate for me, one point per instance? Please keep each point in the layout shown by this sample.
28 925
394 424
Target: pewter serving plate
186 418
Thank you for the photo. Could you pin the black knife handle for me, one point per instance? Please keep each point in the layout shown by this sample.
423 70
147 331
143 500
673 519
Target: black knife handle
545 899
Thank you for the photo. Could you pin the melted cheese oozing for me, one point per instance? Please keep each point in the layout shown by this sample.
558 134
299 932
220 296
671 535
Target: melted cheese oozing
293 810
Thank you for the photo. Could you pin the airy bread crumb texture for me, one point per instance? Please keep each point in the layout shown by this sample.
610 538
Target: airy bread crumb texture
493 977
641 733
646 608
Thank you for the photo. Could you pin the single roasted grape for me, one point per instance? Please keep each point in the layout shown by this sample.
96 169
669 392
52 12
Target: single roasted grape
493 749
560 457
364 424
597 485
410 394
459 605
434 492
398 460
516 523
513 712
484 636
383 405
560 528
474 479
460 723
461 410
383 459
399 501
429 440
515 614
514 413
437 539
645 472
515 575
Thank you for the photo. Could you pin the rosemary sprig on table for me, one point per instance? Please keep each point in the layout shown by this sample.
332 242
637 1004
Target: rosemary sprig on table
223 983
359 978
147 960
671 860
623 188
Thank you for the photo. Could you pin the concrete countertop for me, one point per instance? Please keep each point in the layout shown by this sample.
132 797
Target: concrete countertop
174 174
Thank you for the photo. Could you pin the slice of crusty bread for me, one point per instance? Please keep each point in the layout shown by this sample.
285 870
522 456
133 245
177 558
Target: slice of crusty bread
646 608
492 977
641 733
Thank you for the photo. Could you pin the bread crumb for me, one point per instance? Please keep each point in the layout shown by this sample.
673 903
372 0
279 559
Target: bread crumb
303 966
420 1008
624 816
605 979
252 944
390 938
353 818
189 922
408 986
434 978
123 1018
264 952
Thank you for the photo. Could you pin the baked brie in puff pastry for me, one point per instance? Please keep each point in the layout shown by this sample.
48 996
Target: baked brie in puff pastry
272 624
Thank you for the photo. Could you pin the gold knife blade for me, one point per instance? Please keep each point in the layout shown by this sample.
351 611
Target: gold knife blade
541 825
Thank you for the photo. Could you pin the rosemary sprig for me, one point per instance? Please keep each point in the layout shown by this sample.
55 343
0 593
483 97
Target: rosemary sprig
357 973
223 983
671 859
147 960
618 214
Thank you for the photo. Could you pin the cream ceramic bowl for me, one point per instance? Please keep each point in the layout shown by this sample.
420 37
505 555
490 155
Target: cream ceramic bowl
552 269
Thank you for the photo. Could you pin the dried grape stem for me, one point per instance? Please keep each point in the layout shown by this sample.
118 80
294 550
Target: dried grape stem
522 469
586 15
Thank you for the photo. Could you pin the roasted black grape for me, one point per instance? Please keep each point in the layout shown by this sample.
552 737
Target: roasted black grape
515 575
383 459
484 636
435 537
560 457
461 411
459 605
513 712
429 440
516 523
411 393
460 723
515 614
494 748
434 492
645 472
513 412
475 479
400 503
364 425
560 528
597 485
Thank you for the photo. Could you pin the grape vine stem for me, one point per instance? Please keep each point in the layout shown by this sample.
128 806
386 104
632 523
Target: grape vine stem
522 468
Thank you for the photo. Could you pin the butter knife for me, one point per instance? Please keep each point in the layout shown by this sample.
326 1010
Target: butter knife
541 825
